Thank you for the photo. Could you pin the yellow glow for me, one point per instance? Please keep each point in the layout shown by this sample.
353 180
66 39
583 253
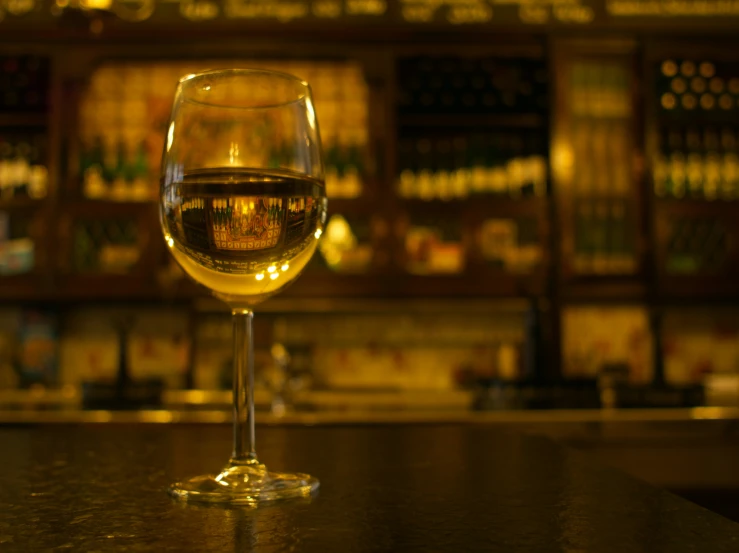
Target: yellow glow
259 276
170 242
285 267
318 233
563 160
339 231
271 269
170 136
97 4
274 275
233 152
310 113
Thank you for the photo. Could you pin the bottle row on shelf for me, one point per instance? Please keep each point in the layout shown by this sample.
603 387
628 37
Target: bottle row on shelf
24 84
474 85
105 245
344 156
23 172
122 127
601 158
687 86
696 245
604 240
600 90
435 245
500 164
16 248
697 162
118 172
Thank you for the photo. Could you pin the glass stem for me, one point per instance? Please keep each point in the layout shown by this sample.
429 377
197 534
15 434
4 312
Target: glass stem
244 452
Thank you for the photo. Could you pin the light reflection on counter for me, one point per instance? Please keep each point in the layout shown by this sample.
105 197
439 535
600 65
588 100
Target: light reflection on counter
358 417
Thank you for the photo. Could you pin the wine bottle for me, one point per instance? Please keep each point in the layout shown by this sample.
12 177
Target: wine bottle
22 168
694 165
729 165
461 172
424 181
677 176
119 188
443 169
140 174
407 177
6 151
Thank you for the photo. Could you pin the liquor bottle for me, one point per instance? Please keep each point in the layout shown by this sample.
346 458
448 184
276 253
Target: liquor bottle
694 166
140 175
6 170
462 175
583 239
424 180
443 184
677 175
22 167
353 164
729 165
515 168
407 178
660 168
119 186
711 164
94 179
477 164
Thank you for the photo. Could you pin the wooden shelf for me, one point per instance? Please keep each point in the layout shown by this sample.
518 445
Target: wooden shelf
23 119
697 207
484 205
104 208
351 206
698 118
108 287
485 282
433 121
26 287
604 288
697 287
21 202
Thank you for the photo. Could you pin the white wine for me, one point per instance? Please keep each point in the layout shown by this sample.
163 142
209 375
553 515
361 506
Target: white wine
243 234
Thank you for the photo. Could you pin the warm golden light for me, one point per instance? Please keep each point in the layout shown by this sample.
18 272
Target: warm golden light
233 152
97 4
271 269
318 233
170 136
310 113
259 276
285 267
274 275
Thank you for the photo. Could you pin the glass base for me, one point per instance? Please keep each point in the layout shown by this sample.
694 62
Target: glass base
245 485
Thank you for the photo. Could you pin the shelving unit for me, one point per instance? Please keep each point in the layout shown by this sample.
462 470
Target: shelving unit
387 215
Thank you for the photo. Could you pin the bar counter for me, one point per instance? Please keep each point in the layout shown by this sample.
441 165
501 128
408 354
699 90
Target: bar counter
368 416
425 488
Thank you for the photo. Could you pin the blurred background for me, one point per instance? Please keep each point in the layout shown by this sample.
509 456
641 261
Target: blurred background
533 206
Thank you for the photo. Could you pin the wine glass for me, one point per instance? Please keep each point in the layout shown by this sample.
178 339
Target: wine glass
242 206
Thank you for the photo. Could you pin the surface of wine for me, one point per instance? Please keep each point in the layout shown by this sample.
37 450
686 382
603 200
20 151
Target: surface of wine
241 233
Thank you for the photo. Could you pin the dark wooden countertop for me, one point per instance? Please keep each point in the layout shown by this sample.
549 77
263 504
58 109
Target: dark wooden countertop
395 488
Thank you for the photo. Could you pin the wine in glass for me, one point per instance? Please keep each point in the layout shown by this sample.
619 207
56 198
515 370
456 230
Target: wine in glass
242 206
